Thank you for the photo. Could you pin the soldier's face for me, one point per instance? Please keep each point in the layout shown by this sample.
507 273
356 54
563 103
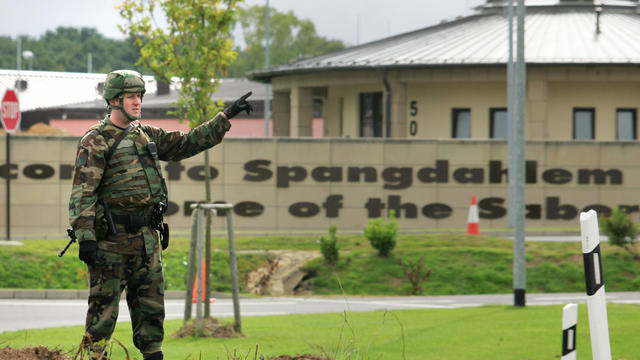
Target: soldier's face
132 103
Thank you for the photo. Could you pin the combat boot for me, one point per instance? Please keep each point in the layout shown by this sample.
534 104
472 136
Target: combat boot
155 356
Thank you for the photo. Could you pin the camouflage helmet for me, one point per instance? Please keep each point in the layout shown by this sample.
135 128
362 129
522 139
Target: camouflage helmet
121 81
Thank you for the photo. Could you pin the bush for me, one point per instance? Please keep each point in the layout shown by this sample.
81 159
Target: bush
416 273
329 247
620 228
382 235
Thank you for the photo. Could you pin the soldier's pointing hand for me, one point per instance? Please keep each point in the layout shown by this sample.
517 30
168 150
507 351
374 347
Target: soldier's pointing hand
239 106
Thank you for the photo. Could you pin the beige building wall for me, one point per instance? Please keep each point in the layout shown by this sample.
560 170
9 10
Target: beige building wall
605 98
342 107
435 102
284 184
552 93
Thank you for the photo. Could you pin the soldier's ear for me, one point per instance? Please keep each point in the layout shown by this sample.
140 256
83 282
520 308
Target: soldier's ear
114 101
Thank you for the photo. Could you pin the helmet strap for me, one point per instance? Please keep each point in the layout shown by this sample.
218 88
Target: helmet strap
119 107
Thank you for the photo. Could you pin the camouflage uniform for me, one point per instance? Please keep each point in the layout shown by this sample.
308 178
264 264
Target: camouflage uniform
130 183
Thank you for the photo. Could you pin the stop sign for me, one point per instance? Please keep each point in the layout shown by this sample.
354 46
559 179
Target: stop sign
10 111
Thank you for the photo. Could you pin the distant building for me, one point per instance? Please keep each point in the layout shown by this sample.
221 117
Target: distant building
73 101
439 93
449 80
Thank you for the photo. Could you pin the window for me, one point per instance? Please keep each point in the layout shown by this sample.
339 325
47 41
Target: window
317 108
498 123
371 114
583 123
461 123
626 124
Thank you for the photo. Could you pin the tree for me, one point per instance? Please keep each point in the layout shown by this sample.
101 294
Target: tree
622 231
291 38
195 48
67 49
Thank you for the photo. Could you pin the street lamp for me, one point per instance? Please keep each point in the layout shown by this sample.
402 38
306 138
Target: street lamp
28 55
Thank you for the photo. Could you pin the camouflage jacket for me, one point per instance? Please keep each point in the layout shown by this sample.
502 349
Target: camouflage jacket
130 183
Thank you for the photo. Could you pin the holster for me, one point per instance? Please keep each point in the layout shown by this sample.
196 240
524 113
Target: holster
132 223
164 236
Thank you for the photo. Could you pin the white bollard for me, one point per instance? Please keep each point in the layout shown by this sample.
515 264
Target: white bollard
569 331
596 299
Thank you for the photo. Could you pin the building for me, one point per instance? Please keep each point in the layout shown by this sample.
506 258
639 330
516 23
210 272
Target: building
73 101
414 123
449 80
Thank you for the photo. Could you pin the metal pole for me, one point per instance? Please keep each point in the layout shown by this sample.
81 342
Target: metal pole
19 54
200 276
8 154
267 87
191 266
89 63
519 260
234 273
233 265
511 126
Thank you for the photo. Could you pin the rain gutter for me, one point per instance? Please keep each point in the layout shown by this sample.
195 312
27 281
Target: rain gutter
387 102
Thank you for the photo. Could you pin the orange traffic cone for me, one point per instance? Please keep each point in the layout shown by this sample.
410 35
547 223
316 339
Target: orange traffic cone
473 228
194 296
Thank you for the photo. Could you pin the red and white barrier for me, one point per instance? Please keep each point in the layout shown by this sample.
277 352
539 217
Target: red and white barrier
569 331
596 301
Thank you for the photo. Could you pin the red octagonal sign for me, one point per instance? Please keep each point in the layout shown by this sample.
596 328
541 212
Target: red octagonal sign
10 111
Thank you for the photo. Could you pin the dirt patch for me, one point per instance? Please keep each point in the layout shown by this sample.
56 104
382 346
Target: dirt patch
32 353
210 328
211 325
301 357
281 274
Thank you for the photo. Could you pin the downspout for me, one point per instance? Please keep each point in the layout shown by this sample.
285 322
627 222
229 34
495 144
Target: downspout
387 102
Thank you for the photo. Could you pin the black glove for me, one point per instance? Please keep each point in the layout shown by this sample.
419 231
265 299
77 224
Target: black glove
88 252
238 106
164 236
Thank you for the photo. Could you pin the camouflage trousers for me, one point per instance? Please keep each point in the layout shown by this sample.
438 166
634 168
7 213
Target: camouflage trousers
141 276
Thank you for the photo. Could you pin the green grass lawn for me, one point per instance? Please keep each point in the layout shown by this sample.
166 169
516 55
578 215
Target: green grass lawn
492 332
460 264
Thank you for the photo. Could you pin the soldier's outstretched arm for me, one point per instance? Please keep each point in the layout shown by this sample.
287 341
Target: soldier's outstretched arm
176 145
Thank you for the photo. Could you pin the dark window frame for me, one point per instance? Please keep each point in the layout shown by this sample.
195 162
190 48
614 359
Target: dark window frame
634 113
454 123
492 113
377 108
593 121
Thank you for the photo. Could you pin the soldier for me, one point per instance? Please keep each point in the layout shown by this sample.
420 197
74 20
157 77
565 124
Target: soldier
116 207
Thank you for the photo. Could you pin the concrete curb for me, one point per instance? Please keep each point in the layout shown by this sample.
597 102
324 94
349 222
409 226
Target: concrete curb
80 294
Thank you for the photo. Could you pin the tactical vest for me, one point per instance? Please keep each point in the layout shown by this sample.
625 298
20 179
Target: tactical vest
132 180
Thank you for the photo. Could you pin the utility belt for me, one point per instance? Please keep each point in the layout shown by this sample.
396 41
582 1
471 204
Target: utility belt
132 223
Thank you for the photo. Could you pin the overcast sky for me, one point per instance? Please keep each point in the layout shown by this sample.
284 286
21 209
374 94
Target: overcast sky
352 21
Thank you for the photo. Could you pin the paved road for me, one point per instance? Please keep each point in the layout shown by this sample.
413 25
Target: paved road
17 314
556 238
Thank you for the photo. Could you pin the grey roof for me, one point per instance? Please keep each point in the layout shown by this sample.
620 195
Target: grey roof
555 33
66 90
46 89
228 90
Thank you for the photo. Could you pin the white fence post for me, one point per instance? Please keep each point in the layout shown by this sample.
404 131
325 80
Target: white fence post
596 300
569 331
